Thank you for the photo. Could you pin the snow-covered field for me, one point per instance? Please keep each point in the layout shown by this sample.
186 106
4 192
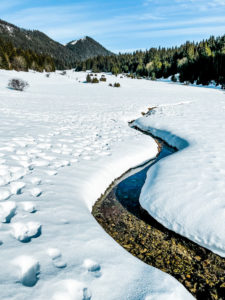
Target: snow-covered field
62 143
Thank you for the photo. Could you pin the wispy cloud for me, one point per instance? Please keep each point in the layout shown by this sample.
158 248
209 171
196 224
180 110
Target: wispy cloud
120 24
201 5
190 31
217 3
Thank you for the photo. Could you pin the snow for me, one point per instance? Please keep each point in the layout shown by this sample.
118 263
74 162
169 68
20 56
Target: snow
7 211
91 265
186 191
75 41
62 143
56 257
36 192
16 187
28 270
28 37
10 29
72 289
24 232
54 253
211 85
29 206
4 194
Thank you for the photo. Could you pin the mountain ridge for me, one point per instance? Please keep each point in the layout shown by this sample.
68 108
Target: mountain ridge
65 56
86 47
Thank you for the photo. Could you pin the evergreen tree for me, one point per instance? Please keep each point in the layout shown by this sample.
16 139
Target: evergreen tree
201 62
23 60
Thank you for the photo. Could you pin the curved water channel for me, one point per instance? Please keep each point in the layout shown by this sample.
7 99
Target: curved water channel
119 212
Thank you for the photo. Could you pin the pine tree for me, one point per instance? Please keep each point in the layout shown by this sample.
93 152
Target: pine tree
195 62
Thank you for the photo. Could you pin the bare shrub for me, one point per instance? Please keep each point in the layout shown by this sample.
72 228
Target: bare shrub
17 84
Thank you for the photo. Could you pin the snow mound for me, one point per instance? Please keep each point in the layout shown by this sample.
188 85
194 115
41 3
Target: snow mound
56 256
4 194
16 187
91 265
24 232
35 180
54 253
7 211
72 290
36 192
28 270
28 206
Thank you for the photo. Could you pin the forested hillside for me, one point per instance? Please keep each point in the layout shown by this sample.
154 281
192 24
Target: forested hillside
38 42
201 62
12 58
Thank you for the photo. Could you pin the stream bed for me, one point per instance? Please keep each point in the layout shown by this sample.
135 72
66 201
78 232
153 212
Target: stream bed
119 212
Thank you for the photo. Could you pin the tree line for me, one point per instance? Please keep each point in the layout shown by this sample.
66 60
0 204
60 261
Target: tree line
195 62
12 58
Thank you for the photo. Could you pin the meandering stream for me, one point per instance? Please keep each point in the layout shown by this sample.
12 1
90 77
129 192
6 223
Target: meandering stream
119 212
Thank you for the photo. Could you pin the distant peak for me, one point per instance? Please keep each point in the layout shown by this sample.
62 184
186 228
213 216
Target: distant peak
87 47
74 42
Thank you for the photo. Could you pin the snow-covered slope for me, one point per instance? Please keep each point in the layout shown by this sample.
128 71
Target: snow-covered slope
62 142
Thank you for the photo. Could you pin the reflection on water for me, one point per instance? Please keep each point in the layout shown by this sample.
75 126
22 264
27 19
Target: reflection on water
128 190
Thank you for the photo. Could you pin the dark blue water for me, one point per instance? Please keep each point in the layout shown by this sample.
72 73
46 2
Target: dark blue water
128 190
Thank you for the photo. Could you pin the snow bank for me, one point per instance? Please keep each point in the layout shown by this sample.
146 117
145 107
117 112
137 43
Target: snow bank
186 191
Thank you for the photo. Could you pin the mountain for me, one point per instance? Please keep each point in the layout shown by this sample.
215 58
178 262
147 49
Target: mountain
40 43
87 48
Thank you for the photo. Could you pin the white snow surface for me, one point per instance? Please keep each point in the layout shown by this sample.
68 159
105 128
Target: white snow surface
62 143
185 192
75 41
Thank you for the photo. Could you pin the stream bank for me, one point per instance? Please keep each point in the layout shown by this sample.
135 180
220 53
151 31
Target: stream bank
119 212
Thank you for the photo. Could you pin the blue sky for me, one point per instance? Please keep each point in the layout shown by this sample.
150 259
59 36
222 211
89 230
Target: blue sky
120 25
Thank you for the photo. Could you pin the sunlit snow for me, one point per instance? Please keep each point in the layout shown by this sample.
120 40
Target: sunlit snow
62 143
